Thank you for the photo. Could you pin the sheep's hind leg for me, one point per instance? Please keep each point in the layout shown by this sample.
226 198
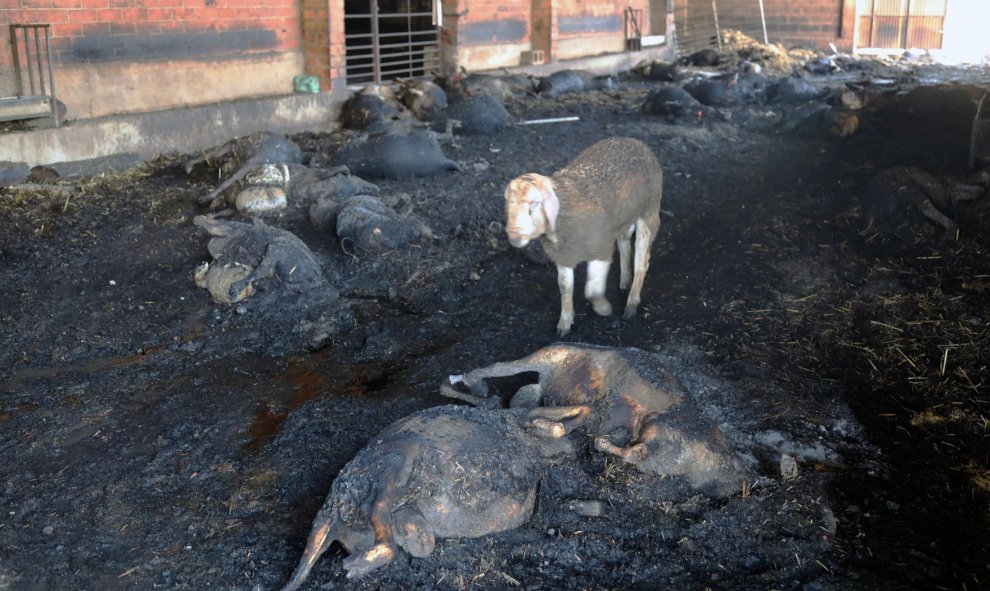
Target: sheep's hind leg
594 287
565 281
625 257
644 240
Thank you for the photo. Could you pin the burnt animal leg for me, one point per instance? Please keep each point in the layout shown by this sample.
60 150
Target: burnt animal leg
474 380
320 539
644 240
594 287
528 396
565 281
625 257
377 509
931 212
557 421
413 533
484 401
633 454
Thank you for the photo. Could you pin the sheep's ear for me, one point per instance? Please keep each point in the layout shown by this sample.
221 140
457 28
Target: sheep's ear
551 206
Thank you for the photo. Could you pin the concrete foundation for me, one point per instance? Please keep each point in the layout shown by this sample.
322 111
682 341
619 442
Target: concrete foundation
147 135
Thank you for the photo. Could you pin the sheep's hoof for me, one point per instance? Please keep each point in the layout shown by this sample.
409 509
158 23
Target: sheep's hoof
630 311
563 329
602 307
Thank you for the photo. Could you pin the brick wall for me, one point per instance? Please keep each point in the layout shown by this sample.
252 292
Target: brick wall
149 54
590 27
486 34
809 23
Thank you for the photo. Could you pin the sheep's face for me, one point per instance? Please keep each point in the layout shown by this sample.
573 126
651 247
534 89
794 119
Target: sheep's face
531 209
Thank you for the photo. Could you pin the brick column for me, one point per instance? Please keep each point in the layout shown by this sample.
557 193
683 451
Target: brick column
323 34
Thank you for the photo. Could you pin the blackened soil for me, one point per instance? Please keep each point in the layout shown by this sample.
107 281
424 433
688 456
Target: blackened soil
154 439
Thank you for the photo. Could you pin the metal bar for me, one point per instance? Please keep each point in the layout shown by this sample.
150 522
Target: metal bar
408 34
387 15
15 54
27 59
374 41
51 78
763 20
404 15
902 21
718 33
37 57
410 44
873 24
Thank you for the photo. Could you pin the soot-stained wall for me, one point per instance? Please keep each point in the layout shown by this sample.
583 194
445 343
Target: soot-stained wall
119 56
486 34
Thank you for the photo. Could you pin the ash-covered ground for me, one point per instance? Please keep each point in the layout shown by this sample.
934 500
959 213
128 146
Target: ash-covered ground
153 438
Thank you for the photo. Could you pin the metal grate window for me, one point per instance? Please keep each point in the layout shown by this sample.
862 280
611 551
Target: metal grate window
388 39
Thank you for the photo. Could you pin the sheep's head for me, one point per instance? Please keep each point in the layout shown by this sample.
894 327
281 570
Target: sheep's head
531 208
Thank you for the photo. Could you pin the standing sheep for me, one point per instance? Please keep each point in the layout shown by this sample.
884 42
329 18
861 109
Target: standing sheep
607 193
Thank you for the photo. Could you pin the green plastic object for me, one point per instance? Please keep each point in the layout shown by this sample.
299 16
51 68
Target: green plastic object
307 84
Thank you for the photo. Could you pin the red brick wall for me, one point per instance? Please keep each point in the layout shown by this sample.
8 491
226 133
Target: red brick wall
119 56
491 22
808 23
88 31
590 27
481 34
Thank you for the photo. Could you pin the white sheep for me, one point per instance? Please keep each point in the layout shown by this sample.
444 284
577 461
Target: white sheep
606 194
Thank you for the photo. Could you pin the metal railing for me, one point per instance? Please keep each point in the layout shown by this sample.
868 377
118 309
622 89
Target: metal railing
633 28
33 69
384 45
702 23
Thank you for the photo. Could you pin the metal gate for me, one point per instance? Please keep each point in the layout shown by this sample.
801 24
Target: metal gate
388 39
704 23
900 24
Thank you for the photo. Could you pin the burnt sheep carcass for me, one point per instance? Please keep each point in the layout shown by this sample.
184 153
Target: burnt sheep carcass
640 412
424 99
567 81
444 472
249 257
415 153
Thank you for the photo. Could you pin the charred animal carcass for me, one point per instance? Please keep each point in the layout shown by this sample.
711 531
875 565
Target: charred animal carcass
245 156
372 104
425 99
444 472
567 81
249 257
674 104
416 153
640 411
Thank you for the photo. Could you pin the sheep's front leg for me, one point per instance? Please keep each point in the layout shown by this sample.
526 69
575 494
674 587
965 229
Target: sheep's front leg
644 240
625 257
565 281
634 454
594 287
